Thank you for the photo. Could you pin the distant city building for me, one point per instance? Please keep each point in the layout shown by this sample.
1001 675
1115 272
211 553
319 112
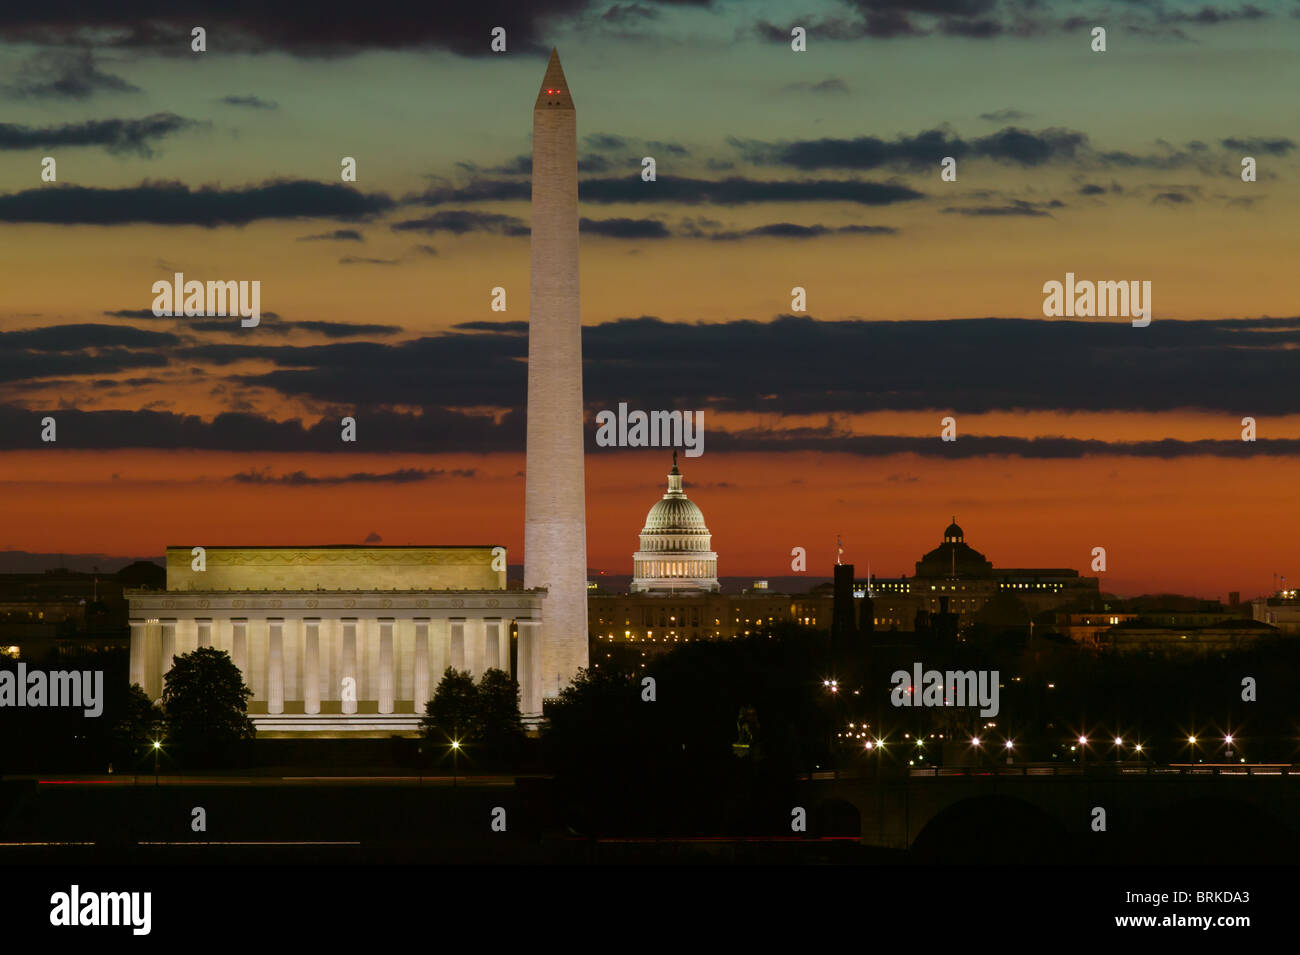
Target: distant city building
955 579
1282 610
68 611
1144 637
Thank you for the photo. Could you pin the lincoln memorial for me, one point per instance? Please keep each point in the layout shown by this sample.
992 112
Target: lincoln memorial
340 640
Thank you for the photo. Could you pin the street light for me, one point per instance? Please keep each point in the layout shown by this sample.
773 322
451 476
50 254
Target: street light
455 757
157 748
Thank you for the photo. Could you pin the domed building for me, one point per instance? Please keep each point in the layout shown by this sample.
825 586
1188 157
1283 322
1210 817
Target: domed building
675 555
955 579
675 595
954 557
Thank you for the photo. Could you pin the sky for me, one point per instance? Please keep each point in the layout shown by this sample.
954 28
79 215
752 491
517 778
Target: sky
775 169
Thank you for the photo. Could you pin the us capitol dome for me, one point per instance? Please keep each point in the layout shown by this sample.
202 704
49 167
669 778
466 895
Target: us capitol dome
675 555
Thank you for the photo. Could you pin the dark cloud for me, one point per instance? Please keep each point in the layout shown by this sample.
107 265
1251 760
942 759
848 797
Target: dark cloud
881 24
789 230
1092 189
521 165
959 366
503 328
148 315
1008 145
271 324
735 190
308 28
174 203
460 221
828 440
676 149
431 432
622 13
1173 198
739 190
958 8
625 228
65 74
923 150
303 479
338 235
1016 207
593 164
103 383
252 102
345 329
969 365
975 29
1252 144
1004 116
365 260
73 338
604 142
830 85
114 135
24 365
990 19
1212 16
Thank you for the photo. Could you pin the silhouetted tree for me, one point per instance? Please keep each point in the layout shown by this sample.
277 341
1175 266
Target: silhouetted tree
502 732
454 712
141 723
205 702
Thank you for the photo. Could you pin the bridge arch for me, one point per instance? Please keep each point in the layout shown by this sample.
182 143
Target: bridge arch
996 828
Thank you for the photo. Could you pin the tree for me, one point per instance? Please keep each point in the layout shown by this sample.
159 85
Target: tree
502 731
454 711
206 705
140 725
484 716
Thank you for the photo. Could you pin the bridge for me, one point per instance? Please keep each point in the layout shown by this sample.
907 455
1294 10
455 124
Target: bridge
1102 812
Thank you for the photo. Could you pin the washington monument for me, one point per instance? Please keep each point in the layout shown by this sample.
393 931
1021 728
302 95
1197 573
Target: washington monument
555 517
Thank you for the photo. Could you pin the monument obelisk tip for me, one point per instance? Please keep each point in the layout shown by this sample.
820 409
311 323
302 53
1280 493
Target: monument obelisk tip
554 93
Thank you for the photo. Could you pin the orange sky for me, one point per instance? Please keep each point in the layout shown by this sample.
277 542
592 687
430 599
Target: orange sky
1150 515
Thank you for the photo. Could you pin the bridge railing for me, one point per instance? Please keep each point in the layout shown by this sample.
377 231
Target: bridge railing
1113 769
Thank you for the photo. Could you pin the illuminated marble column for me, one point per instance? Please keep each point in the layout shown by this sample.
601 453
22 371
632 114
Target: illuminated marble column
492 644
275 666
386 673
457 626
239 645
348 665
311 666
530 654
166 652
204 636
421 694
137 653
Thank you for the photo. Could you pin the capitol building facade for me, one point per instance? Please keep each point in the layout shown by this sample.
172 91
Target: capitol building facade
675 555
675 595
